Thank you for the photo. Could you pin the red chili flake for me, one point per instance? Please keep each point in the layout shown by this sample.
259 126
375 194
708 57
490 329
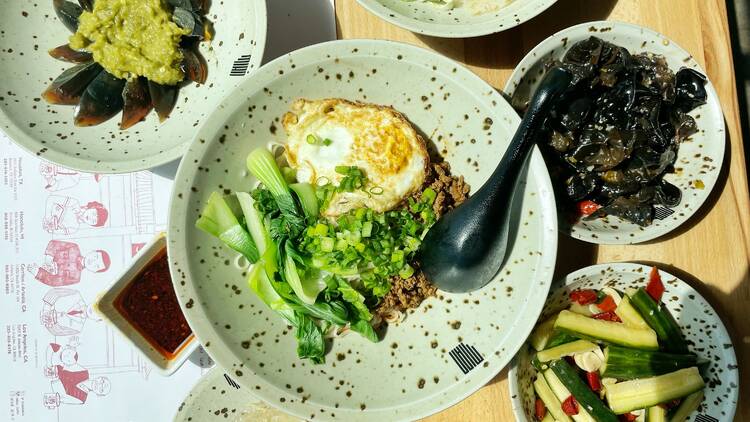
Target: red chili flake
586 208
570 406
540 411
607 316
607 305
628 417
655 288
594 381
583 297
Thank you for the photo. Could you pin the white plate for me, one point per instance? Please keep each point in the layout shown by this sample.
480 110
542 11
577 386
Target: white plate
30 28
218 398
699 158
702 327
429 19
410 373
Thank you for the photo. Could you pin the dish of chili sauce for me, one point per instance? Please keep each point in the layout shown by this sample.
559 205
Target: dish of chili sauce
150 304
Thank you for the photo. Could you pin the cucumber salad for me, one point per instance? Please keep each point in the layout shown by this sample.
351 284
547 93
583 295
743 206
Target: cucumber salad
615 356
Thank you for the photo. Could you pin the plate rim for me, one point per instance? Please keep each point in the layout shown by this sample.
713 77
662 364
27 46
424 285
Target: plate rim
204 329
26 142
443 30
624 266
652 232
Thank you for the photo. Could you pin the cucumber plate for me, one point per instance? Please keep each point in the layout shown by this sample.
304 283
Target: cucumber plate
692 313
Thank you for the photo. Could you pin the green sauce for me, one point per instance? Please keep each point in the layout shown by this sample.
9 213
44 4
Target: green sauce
132 38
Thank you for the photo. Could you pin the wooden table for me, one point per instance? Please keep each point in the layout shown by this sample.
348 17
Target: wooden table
712 250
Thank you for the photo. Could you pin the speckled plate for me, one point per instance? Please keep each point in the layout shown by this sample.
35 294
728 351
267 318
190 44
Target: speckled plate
29 28
705 333
461 22
410 373
699 158
217 397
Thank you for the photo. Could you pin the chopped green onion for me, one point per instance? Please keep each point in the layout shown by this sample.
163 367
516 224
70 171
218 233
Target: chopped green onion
312 139
377 190
406 271
367 229
326 244
327 142
428 196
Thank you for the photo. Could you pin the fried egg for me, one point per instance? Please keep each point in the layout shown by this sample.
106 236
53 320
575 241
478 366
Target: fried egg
377 139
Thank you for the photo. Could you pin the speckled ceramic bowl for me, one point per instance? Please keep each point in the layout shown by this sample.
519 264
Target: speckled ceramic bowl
218 398
699 158
461 22
28 29
702 327
412 372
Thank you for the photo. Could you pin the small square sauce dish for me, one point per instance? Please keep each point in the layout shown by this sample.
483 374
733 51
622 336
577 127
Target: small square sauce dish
142 306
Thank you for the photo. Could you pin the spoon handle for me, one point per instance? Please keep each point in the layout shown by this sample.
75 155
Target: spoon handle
503 179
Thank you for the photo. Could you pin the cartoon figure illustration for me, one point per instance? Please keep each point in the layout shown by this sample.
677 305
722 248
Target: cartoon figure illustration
63 215
63 263
64 312
71 383
58 178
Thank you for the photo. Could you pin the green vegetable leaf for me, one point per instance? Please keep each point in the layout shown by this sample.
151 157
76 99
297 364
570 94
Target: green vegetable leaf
365 329
262 165
259 283
217 219
307 288
355 298
310 343
332 311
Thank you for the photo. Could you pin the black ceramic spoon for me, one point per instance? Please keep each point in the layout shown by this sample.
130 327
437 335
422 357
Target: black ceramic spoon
466 248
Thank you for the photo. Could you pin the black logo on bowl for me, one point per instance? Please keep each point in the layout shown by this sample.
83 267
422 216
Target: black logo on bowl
231 382
705 418
466 357
240 66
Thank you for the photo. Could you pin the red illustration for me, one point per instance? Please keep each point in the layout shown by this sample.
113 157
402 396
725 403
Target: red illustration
63 215
71 383
58 178
63 263
64 312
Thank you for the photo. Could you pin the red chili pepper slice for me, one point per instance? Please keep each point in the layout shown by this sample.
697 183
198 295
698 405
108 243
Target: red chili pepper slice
594 381
655 288
540 411
628 417
586 208
583 297
570 406
607 316
607 305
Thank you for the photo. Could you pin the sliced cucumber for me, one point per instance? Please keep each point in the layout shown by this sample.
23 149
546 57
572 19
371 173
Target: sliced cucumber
606 331
563 393
625 364
554 407
586 398
567 349
642 393
560 337
656 414
689 405
658 317
549 418
542 333
629 315
580 309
